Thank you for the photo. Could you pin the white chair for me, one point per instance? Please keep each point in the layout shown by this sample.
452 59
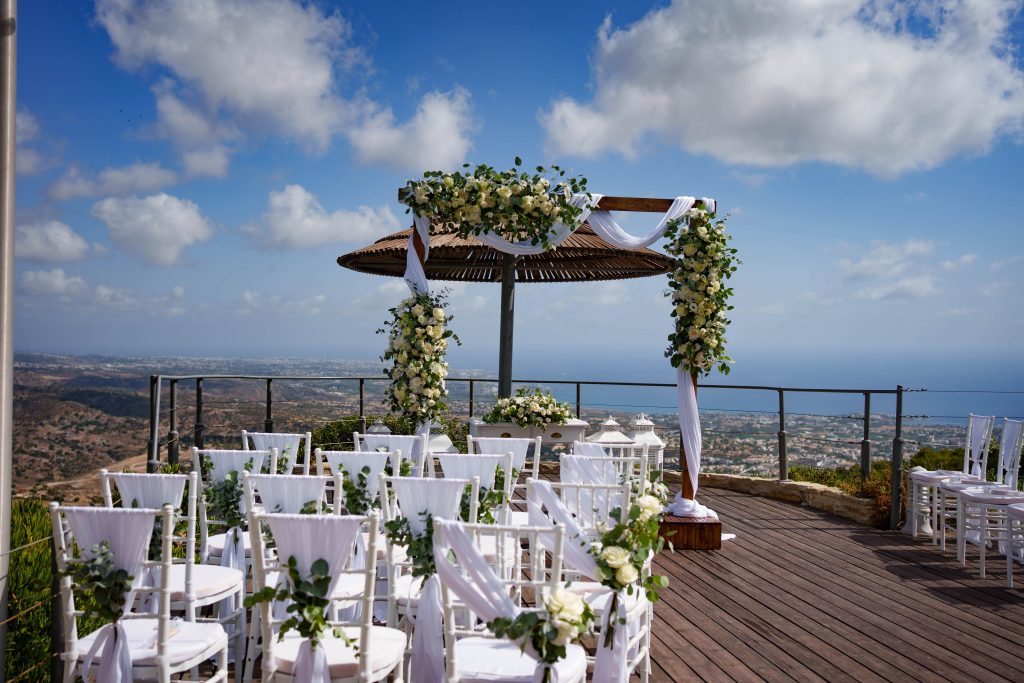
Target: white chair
287 446
222 462
193 586
331 538
484 468
472 654
413 445
982 521
1014 539
924 505
156 648
362 468
949 490
589 469
519 448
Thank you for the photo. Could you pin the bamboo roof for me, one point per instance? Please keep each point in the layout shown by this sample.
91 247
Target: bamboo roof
582 257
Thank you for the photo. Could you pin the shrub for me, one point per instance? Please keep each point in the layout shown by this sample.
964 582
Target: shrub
877 486
337 435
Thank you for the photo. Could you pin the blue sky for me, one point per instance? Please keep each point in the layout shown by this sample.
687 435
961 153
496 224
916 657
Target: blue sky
189 171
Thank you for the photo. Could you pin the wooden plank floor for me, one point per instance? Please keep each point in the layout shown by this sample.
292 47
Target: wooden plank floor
801 595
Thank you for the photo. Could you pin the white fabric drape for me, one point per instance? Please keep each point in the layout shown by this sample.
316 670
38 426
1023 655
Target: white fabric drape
589 448
353 463
585 469
287 445
605 226
309 538
517 447
440 498
410 446
233 461
288 493
467 466
127 532
1009 450
981 431
151 491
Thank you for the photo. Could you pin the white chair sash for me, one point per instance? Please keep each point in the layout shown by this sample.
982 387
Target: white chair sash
353 462
151 491
517 447
409 445
467 466
287 445
127 532
981 432
583 469
287 493
232 461
594 450
1009 450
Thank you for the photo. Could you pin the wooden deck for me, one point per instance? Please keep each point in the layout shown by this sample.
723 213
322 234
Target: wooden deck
806 596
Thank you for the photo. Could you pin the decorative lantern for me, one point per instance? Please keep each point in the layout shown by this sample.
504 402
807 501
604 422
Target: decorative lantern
610 434
643 433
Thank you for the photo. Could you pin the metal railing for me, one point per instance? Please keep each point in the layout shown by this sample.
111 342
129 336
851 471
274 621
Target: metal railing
172 442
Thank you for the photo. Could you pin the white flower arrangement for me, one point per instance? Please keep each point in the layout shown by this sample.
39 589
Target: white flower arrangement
700 299
418 338
513 204
530 408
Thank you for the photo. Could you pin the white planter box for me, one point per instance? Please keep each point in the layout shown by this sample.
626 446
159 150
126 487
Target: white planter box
573 430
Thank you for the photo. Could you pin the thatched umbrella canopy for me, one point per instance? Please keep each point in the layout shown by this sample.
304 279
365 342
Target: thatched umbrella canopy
582 257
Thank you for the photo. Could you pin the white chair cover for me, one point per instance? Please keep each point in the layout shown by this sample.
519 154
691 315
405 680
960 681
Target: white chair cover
517 447
149 490
441 498
610 666
410 445
287 493
309 538
981 432
467 466
594 450
225 461
353 462
1009 450
585 469
287 445
127 532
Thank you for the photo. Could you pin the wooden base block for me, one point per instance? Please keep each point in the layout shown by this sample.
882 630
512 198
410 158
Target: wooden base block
692 533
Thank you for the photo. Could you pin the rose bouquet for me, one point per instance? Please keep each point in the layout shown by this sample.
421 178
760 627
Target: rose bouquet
418 338
530 408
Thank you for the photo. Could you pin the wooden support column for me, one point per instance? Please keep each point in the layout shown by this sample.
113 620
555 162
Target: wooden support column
686 488
508 305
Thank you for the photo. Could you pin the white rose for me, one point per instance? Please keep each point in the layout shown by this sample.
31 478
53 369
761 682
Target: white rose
504 192
615 557
626 574
439 313
417 310
649 507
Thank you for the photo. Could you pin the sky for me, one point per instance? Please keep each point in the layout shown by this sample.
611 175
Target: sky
189 170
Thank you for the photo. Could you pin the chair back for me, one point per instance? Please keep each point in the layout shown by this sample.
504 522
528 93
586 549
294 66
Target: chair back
586 469
287 445
1010 444
976 444
414 446
518 447
595 506
286 493
362 468
221 462
415 497
309 538
484 468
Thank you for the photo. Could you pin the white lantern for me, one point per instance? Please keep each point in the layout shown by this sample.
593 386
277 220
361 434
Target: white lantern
643 432
610 434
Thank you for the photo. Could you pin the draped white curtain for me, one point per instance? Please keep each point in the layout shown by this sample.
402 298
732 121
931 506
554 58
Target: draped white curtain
604 226
127 532
309 538
288 493
517 447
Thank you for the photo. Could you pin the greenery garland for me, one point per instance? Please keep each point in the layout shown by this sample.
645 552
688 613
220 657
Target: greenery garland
223 498
108 585
419 549
418 338
703 260
358 500
514 204
530 408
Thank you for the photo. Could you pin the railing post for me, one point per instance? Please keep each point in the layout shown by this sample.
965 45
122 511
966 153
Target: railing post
783 457
172 418
579 402
197 435
897 464
56 620
362 412
153 463
471 384
865 442
268 423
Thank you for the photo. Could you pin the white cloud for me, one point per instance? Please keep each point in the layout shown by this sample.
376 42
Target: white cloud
993 288
888 87
114 297
46 287
28 161
200 140
914 287
157 227
965 261
54 283
380 298
1008 261
885 259
26 126
49 242
295 219
436 137
777 308
251 301
137 177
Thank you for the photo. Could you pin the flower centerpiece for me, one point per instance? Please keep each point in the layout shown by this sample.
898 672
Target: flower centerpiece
530 408
418 338
566 617
515 204
703 261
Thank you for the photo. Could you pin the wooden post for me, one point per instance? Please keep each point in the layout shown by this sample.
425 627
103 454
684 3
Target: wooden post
508 305
684 472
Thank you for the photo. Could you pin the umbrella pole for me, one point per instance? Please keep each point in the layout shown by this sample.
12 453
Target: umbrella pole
508 300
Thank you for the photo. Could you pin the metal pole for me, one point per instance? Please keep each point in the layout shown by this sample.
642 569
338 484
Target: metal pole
897 464
197 434
153 464
8 99
362 414
268 423
783 457
508 304
579 402
865 442
471 384
172 433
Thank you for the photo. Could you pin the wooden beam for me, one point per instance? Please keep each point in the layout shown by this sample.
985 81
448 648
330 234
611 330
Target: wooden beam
649 204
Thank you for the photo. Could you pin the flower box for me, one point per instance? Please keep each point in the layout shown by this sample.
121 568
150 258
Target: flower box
573 430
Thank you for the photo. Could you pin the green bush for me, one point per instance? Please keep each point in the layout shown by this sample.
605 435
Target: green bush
337 435
28 636
877 486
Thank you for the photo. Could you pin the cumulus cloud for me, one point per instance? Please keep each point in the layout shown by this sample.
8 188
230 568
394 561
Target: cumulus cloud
46 287
295 219
886 259
49 242
252 302
55 283
888 87
898 270
157 227
28 160
137 177
916 287
436 137
964 262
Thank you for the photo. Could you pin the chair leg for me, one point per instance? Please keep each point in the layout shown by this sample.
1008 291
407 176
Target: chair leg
252 648
961 535
240 639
